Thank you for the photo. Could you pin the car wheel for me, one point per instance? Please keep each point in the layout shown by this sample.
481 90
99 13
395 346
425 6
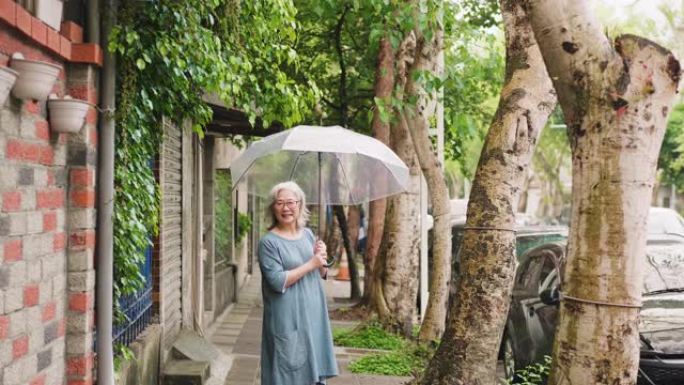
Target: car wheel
508 358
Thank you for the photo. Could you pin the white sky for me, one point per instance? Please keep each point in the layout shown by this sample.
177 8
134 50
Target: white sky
621 10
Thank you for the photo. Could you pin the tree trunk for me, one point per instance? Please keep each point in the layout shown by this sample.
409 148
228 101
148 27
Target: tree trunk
355 292
397 262
417 119
616 99
384 84
468 350
396 284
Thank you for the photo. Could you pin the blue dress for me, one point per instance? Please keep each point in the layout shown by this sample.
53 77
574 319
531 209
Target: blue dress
296 343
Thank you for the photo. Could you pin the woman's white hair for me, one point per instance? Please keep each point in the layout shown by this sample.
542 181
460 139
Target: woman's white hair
293 187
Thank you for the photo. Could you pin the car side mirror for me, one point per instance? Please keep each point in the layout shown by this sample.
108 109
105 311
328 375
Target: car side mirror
550 296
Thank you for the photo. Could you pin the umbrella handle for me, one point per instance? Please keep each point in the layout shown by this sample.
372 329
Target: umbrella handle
330 262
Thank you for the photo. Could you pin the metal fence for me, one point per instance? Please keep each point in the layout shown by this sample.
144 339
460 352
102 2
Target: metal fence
137 307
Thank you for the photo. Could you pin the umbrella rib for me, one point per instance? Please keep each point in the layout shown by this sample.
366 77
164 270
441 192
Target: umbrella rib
345 178
294 167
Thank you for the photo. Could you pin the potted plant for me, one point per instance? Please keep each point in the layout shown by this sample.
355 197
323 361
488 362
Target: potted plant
7 78
67 114
36 78
50 11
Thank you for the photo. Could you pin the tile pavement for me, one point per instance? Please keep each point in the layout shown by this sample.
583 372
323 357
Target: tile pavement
238 334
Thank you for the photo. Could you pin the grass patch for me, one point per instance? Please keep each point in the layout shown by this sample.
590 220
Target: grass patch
411 360
368 336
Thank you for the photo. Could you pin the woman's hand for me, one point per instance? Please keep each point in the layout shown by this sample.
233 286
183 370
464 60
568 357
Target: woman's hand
320 247
320 253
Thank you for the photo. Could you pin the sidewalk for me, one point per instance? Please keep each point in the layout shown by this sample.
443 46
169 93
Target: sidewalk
238 335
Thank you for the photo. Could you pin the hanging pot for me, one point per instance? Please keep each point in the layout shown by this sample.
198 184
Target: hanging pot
36 78
7 79
67 115
50 11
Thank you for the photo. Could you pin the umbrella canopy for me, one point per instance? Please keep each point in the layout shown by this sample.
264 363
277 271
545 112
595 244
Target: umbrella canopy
332 165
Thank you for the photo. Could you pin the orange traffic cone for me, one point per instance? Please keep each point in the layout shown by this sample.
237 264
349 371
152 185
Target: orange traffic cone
343 270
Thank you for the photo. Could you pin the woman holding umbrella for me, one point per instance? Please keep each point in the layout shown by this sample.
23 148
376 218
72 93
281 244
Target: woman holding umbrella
296 347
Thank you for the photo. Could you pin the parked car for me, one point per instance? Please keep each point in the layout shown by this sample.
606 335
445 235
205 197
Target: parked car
533 314
526 237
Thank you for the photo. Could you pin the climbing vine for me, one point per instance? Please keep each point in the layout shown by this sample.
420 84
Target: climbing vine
169 55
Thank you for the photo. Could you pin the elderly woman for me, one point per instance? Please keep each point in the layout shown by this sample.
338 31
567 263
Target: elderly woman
296 345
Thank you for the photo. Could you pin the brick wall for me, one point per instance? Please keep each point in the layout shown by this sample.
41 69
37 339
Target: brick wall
47 220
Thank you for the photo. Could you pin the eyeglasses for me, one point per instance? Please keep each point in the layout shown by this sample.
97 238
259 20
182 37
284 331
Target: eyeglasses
290 204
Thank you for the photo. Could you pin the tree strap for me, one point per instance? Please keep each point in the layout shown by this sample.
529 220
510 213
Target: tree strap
600 303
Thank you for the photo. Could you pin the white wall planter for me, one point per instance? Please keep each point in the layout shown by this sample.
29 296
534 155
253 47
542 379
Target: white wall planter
50 11
67 115
36 78
7 79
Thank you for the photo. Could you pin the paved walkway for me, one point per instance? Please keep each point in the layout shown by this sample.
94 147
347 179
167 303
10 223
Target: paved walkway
238 334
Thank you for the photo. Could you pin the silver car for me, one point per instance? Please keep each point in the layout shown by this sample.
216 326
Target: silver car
531 323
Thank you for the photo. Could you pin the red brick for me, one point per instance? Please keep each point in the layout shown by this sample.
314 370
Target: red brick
80 302
11 201
27 151
53 40
80 365
87 381
32 107
91 116
72 31
49 311
84 239
82 177
23 20
50 199
47 156
8 11
65 47
40 380
84 92
20 347
39 31
42 130
49 221
13 250
59 241
4 326
31 295
83 198
86 53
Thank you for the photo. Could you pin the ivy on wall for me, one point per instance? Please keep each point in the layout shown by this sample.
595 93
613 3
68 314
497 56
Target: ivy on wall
169 54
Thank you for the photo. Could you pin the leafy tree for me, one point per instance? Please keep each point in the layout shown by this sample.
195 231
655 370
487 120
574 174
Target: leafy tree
671 160
468 350
616 97
169 55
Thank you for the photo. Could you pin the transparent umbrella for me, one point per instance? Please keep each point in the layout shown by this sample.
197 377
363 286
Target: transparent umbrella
331 164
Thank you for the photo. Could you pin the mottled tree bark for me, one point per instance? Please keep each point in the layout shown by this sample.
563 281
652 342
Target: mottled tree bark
396 284
417 120
384 84
468 351
616 99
